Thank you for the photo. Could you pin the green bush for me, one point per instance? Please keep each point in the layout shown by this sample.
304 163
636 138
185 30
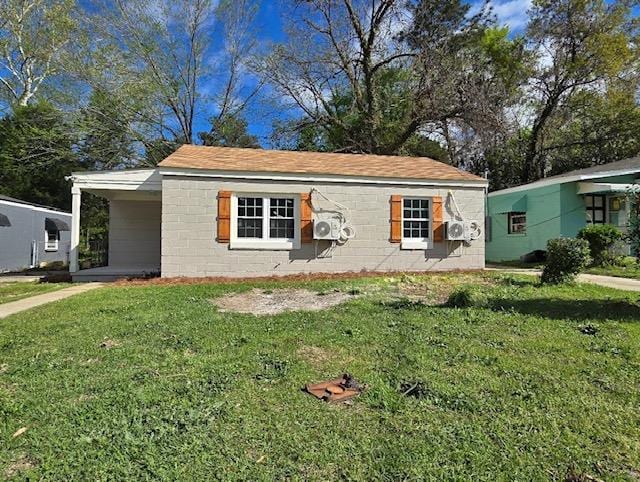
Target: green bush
467 297
633 235
601 238
566 257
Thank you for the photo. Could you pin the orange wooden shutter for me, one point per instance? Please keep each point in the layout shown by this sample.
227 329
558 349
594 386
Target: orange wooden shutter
306 221
438 225
396 218
224 216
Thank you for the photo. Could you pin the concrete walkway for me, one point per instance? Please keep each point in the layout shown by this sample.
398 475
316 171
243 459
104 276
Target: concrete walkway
14 307
596 279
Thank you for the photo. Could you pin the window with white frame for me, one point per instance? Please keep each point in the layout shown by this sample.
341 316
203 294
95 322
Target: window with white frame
416 222
265 222
51 239
517 223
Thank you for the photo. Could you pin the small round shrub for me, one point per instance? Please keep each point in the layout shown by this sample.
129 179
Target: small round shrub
601 238
467 297
566 257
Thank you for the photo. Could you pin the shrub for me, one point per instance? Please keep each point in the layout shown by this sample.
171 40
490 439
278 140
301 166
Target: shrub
633 234
467 297
566 257
601 238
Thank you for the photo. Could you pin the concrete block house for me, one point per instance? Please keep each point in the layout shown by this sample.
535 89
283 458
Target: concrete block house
214 211
524 218
32 235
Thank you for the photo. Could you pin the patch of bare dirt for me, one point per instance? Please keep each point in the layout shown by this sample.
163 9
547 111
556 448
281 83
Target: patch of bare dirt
22 464
315 355
271 302
108 344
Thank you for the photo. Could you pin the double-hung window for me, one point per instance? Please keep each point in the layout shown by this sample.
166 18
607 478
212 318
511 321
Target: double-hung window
51 239
416 223
517 223
265 221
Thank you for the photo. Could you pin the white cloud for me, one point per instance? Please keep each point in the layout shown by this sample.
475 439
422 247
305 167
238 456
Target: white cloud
513 13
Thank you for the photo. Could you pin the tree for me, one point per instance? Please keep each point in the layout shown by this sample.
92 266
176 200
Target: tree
331 65
164 47
229 131
106 137
240 48
33 38
36 153
580 44
371 76
594 128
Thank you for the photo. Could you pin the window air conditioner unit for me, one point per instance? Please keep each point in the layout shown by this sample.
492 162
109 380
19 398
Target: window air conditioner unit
457 231
326 229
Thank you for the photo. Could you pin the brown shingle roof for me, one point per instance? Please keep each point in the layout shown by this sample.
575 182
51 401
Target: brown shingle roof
297 162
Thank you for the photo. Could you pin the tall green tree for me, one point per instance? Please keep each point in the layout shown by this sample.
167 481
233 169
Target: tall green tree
34 35
581 45
36 153
379 76
106 134
229 131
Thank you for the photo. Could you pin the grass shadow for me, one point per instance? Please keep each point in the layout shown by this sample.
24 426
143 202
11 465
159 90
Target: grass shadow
563 309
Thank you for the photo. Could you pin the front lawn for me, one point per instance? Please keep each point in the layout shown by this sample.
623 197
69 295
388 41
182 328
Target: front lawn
18 290
153 382
627 268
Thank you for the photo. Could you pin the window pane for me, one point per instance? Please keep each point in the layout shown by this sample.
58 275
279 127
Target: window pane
249 217
597 201
281 222
281 228
415 229
249 228
517 223
416 209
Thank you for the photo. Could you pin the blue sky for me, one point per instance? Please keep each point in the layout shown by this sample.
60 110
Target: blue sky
269 26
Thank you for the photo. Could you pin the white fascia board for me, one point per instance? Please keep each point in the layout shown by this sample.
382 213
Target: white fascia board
138 179
563 180
34 208
598 187
265 176
127 173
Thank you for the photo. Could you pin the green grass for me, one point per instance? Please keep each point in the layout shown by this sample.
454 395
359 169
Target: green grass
16 291
627 268
152 383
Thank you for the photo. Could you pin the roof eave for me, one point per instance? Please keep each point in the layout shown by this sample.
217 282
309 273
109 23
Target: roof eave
563 180
315 177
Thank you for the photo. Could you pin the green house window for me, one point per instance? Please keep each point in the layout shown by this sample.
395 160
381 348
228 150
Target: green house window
517 222
596 206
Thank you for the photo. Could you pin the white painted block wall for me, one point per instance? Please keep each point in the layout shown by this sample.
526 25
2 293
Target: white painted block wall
189 246
134 233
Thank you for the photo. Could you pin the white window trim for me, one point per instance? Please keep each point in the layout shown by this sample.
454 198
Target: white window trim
265 243
48 246
417 243
510 231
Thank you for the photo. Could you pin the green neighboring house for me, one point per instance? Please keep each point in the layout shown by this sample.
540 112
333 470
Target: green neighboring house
523 218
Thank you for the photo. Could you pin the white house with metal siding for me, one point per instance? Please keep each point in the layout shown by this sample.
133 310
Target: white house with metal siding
232 212
32 235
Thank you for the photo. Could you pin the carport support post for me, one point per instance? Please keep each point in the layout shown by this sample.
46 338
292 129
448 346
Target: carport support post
75 229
